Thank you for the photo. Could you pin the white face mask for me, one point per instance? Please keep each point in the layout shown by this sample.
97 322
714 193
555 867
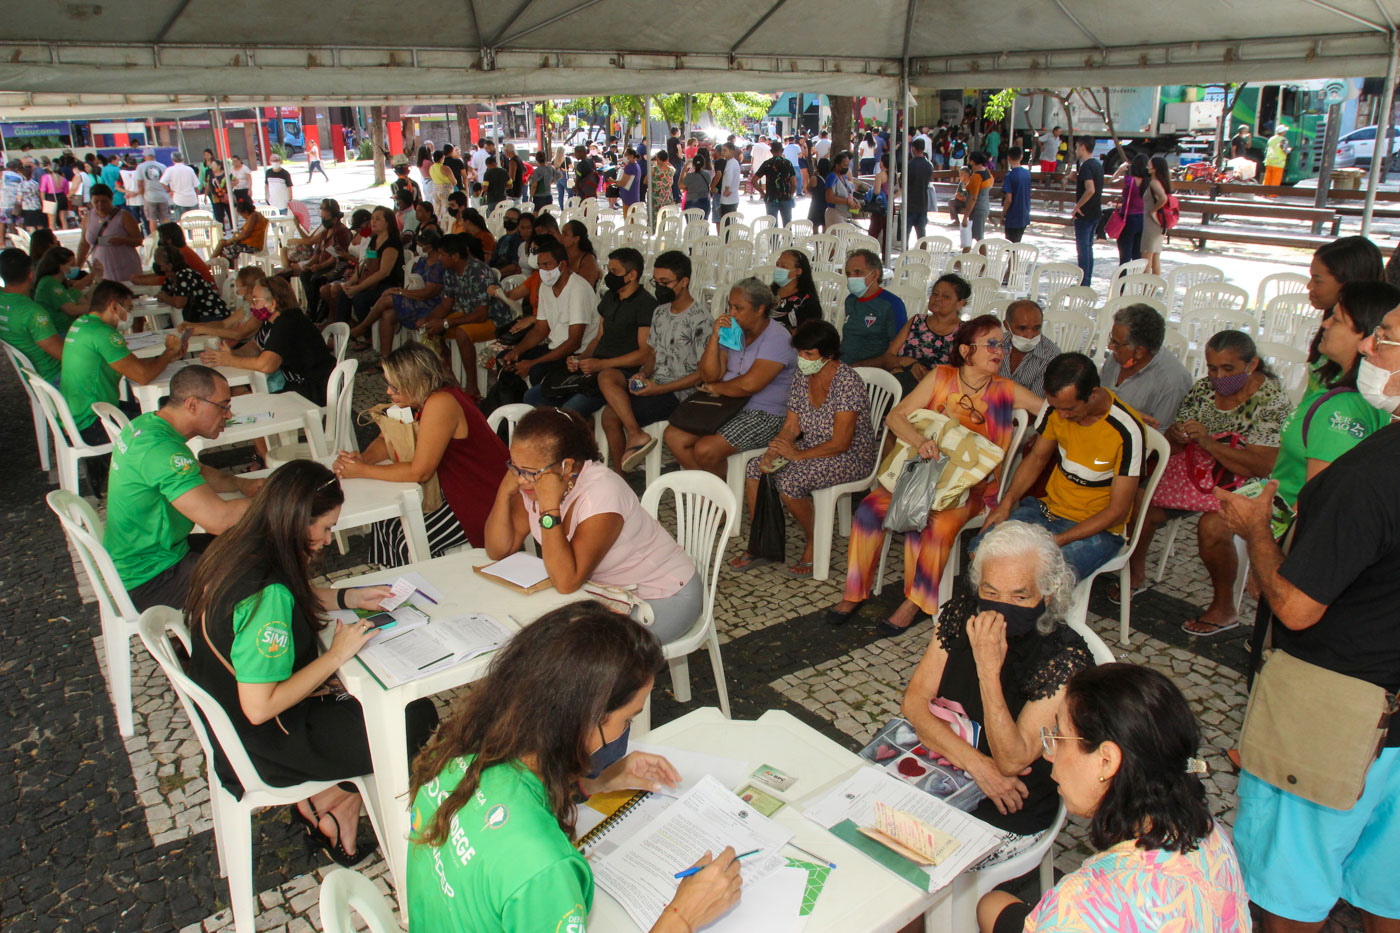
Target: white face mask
1371 382
1025 344
810 367
532 261
549 276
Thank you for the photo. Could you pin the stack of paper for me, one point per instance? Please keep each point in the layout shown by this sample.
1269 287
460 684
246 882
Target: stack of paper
408 652
524 570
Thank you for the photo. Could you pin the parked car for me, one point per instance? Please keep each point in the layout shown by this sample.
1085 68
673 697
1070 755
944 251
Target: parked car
1346 156
1363 144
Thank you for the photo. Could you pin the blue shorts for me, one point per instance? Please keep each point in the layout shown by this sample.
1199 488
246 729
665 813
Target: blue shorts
1298 857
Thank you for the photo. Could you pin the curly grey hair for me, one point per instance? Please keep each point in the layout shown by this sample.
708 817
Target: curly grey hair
756 292
1053 577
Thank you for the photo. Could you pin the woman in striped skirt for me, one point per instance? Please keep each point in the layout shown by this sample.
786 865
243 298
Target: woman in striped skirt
454 442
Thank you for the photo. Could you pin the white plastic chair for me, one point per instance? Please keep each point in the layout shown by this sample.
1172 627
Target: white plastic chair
1020 263
1290 362
939 248
511 415
994 248
113 419
1141 283
116 614
706 513
339 420
69 447
21 364
826 254
1214 295
832 505
233 823
1131 267
344 890
831 293
968 265
915 298
862 241
1078 612
1184 276
800 227
1275 284
1071 331
1176 345
985 290
762 222
1199 326
338 336
1054 277
769 243
1291 319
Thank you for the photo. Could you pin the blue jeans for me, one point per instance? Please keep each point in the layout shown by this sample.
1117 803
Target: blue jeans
1084 556
776 208
700 204
1130 240
1084 230
562 188
583 404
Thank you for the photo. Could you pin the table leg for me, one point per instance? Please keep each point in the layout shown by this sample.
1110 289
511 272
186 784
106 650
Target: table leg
315 434
388 750
415 529
148 396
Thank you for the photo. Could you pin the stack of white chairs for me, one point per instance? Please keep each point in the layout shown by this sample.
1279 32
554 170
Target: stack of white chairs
985 292
1208 295
1071 331
735 259
1131 267
770 242
915 269
1140 283
939 247
1184 276
1290 363
21 365
1054 277
1291 319
730 225
968 265
1080 298
994 248
1276 284
831 292
860 241
800 227
825 251
761 223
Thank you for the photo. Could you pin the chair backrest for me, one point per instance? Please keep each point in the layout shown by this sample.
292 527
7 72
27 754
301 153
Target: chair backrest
1141 283
1020 262
719 303
768 243
1078 298
85 532
968 265
831 292
1214 295
1290 363
994 248
1156 445
706 511
338 336
113 419
155 626
1112 307
914 297
762 222
801 226
1199 326
984 292
1279 283
340 396
1175 344
730 221
1071 331
882 392
826 254
861 241
636 213
510 414
736 257
1131 267
914 275
56 412
1184 276
1291 319
1020 424
1054 277
939 247
345 890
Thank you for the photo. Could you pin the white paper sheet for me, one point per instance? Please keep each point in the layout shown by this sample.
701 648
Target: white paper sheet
854 799
406 653
640 874
693 766
251 417
772 905
524 570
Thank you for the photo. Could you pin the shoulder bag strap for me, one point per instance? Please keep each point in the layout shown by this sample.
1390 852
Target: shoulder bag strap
1312 409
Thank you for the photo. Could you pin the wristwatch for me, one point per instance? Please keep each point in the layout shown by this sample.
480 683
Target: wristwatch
548 521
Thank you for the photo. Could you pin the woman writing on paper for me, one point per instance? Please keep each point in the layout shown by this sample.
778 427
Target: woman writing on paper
254 617
453 443
589 524
1123 745
493 794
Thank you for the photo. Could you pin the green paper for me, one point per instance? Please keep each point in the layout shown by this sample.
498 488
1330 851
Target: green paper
816 881
901 866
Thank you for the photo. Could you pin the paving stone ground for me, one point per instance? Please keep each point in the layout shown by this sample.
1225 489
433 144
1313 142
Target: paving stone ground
115 835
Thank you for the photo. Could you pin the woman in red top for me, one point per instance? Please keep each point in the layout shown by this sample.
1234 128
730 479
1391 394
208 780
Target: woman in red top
454 442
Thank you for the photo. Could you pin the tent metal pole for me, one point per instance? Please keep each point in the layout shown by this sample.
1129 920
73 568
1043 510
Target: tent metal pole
1383 122
904 220
180 134
220 142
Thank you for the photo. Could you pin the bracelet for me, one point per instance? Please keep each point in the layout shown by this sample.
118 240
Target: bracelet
688 927
340 597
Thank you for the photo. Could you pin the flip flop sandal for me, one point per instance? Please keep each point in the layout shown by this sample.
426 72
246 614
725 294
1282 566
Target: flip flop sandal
747 561
1212 632
336 852
1115 594
636 455
802 568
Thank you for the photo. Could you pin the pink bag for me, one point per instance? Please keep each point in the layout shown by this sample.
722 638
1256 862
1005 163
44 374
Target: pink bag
1178 488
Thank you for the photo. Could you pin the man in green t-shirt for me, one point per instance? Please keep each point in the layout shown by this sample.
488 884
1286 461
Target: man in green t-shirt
95 357
159 491
24 324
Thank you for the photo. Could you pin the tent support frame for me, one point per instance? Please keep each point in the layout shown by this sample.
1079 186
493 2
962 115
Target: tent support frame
1381 152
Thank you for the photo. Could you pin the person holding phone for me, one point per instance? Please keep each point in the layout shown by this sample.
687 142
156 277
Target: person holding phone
254 648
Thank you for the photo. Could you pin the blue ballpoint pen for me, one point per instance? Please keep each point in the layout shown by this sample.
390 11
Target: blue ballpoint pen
694 868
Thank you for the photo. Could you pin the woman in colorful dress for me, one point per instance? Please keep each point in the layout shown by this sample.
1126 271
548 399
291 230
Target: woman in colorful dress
660 188
971 391
826 439
926 340
1123 750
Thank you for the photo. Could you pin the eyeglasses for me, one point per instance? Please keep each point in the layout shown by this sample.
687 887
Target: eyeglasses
228 410
1381 341
995 344
529 476
1049 739
968 404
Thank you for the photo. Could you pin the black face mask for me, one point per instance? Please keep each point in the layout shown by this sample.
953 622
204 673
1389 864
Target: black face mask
665 294
1020 620
608 753
614 282
511 224
452 211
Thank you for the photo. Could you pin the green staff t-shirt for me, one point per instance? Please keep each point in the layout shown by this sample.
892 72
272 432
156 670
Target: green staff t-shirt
506 866
23 323
152 466
53 295
262 636
1338 425
89 350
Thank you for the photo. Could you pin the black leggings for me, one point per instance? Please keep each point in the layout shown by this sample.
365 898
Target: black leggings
1012 918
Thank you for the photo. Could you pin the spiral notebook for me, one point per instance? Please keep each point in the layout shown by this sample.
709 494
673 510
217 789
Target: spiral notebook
633 813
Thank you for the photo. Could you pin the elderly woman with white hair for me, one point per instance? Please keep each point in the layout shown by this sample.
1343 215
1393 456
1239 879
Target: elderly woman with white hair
995 673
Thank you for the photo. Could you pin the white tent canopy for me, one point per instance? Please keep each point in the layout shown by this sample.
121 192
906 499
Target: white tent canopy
156 54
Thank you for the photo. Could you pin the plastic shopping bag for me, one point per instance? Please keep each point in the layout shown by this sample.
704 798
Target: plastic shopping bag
768 533
913 495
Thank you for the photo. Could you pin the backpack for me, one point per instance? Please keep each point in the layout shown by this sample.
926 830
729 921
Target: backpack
783 177
1169 214
959 149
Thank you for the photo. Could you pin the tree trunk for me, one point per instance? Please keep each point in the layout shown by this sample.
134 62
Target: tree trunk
842 123
376 119
464 126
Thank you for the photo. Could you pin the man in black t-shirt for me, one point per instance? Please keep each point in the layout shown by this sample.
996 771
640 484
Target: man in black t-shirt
1335 601
454 165
776 179
1088 203
496 179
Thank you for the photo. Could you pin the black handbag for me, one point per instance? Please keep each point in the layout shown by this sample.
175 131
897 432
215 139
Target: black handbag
561 383
768 531
703 413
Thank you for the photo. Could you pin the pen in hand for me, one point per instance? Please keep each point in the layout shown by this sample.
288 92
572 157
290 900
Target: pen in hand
695 868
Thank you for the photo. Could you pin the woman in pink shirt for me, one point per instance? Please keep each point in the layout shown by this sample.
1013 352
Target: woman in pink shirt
589 524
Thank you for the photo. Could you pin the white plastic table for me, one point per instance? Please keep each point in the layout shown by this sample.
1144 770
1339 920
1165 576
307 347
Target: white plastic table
150 394
290 413
859 894
464 592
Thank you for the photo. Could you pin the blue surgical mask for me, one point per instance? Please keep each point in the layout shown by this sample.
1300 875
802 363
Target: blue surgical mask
856 285
781 276
731 337
75 273
609 753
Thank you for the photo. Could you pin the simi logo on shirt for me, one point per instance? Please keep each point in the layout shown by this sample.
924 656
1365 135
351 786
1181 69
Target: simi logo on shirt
496 816
274 640
573 921
117 340
183 463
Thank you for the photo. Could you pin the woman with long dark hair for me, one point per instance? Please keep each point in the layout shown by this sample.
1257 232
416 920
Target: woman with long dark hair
1131 209
1345 259
795 290
549 720
1159 188
253 616
62 295
1123 749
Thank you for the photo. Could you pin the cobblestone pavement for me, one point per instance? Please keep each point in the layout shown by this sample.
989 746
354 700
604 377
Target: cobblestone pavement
115 835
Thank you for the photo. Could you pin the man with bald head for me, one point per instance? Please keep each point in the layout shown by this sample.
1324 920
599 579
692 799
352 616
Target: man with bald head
1031 351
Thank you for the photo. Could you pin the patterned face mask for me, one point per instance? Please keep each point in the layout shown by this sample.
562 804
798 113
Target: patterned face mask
262 314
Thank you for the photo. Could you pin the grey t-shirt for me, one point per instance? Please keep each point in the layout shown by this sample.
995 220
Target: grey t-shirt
1155 391
697 184
678 340
152 190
